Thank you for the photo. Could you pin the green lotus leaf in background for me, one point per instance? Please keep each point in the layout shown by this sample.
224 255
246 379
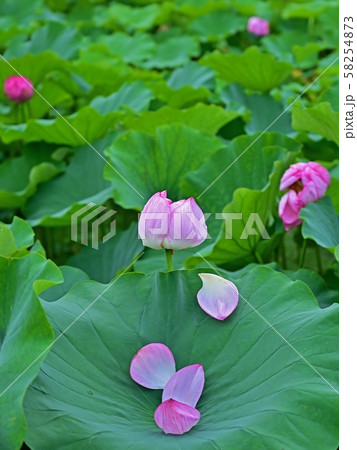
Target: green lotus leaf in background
259 392
32 168
321 223
246 162
217 25
25 337
192 74
135 96
56 200
181 97
206 118
71 276
103 263
15 238
252 69
57 37
88 123
319 119
238 244
156 163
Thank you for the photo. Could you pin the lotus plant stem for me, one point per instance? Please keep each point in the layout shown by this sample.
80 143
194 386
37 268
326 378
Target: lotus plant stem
29 110
302 254
258 258
318 260
169 254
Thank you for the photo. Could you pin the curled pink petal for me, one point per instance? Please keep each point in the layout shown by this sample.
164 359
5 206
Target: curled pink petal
289 210
218 297
186 385
154 220
176 418
187 226
153 366
18 88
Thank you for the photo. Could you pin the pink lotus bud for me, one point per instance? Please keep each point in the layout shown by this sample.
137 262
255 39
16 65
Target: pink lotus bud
18 89
175 226
258 26
218 297
289 210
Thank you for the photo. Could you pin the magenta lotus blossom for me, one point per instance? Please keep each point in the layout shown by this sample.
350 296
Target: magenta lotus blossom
306 182
153 367
18 89
258 26
171 225
176 418
218 297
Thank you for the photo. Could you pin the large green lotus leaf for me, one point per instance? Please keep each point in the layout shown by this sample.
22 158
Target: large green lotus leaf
21 11
15 238
136 96
320 223
259 392
239 244
307 9
25 336
181 97
156 163
116 254
252 69
56 200
207 118
31 169
88 122
199 7
132 49
217 25
35 67
319 119
173 52
131 18
258 110
250 170
192 74
60 38
71 276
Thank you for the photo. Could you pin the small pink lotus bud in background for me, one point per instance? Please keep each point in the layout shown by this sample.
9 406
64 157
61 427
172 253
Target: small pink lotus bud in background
175 226
18 89
307 182
289 210
218 297
258 26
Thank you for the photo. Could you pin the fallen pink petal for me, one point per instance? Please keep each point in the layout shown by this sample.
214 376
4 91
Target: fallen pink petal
174 417
218 297
153 366
186 385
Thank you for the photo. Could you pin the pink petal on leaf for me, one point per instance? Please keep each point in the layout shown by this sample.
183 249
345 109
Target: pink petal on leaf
153 366
176 418
186 385
218 297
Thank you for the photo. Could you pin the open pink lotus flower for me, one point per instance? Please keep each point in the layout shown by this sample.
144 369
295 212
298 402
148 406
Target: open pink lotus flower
153 367
171 225
306 182
258 26
18 89
218 297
